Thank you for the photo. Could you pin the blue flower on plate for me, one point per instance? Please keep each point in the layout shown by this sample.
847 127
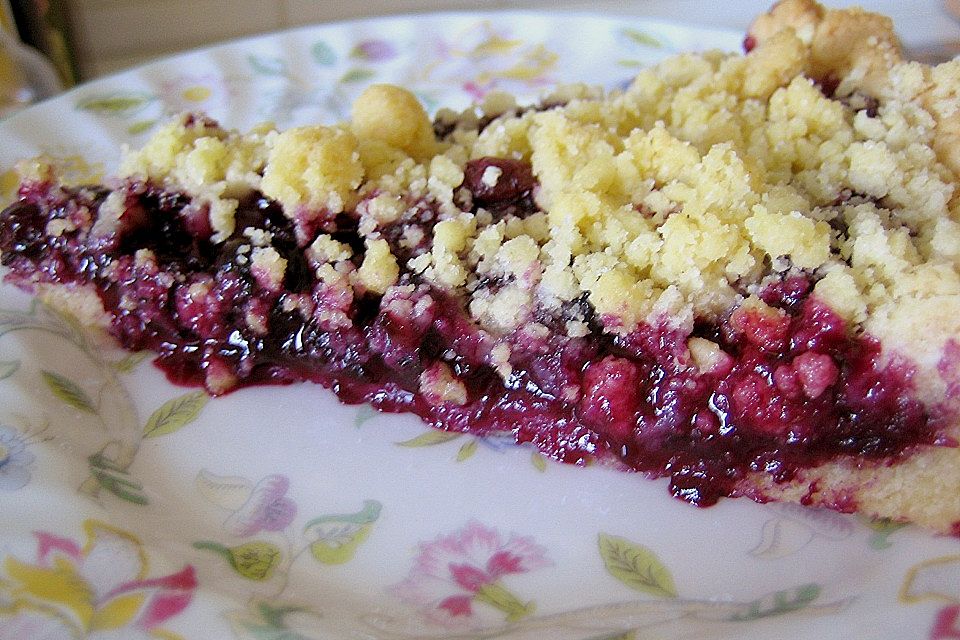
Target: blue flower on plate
14 459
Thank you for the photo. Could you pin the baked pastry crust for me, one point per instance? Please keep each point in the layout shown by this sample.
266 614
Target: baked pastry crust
740 272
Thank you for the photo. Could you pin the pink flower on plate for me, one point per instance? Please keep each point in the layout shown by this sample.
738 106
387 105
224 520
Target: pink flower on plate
946 625
455 572
97 591
474 90
266 509
375 50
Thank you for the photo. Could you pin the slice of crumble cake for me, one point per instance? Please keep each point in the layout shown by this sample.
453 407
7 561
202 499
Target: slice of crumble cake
740 273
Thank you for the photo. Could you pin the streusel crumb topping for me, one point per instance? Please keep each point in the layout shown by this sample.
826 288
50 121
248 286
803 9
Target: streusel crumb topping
708 175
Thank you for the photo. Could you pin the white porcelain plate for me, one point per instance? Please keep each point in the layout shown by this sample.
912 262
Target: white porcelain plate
131 508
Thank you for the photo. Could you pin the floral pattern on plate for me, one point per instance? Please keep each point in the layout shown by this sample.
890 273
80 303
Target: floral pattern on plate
15 456
454 573
96 590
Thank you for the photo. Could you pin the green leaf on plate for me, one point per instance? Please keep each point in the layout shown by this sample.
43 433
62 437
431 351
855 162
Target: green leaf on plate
8 368
636 566
538 461
357 74
633 64
266 622
175 414
129 491
140 126
323 54
430 438
467 450
274 616
883 528
99 462
267 66
132 361
616 635
115 480
640 37
253 560
778 603
68 391
336 537
881 524
364 413
77 330
116 103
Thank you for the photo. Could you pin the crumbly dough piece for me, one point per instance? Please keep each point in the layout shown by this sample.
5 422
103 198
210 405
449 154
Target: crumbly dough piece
860 51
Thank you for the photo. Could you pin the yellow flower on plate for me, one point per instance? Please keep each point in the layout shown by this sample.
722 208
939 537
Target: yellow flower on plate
99 590
196 93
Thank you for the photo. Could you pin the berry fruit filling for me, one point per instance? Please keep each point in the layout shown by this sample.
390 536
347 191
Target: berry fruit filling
776 386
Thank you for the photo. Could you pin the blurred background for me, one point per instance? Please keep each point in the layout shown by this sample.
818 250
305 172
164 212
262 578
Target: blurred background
84 39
